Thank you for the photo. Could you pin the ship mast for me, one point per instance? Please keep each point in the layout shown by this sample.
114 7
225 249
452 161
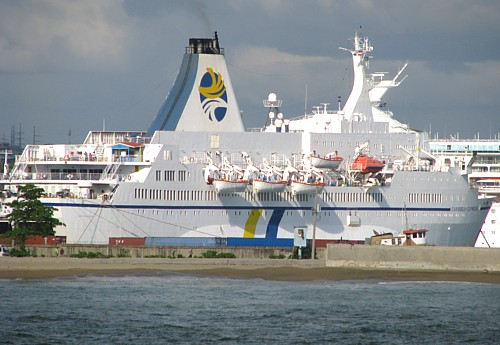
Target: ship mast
358 105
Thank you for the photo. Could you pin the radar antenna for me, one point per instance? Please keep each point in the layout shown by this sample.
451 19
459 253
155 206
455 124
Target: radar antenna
274 116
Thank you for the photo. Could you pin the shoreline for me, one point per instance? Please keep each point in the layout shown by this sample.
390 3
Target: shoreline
267 269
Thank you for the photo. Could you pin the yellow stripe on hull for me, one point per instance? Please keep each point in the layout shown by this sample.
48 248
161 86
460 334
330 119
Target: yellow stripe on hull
251 224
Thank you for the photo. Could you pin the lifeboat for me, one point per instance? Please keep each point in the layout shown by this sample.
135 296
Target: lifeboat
326 162
366 164
261 186
299 187
223 186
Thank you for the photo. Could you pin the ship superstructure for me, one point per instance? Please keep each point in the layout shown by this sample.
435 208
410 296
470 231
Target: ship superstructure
197 174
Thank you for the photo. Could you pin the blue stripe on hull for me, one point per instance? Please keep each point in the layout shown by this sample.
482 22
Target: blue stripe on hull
247 208
272 226
259 242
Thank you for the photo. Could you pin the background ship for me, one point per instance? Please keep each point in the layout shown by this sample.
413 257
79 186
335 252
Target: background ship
479 159
191 173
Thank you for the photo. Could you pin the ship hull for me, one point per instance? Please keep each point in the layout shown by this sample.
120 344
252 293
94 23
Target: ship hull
275 223
345 213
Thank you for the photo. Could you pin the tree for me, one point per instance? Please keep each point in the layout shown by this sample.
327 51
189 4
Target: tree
29 217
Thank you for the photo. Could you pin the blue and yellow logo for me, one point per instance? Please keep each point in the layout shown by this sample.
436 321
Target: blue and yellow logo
213 95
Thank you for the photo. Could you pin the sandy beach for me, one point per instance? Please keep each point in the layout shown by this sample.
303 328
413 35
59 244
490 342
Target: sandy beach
268 269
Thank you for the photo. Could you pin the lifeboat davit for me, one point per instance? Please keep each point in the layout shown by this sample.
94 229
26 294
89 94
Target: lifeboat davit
366 164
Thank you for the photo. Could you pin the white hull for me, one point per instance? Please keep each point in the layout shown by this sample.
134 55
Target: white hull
489 237
451 211
94 221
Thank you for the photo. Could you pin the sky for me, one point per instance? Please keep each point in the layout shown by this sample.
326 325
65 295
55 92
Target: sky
68 67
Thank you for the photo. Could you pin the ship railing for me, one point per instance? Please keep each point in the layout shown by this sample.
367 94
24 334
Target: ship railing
58 176
110 172
69 177
17 172
113 137
21 164
89 158
128 158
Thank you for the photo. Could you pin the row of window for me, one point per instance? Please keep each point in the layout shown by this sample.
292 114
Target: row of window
302 213
356 144
284 196
74 171
352 197
169 175
427 198
485 169
200 195
164 194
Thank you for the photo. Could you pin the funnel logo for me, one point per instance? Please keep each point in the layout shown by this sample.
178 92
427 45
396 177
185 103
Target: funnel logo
213 95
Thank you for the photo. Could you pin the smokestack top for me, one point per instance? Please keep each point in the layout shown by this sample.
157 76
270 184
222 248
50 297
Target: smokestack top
204 45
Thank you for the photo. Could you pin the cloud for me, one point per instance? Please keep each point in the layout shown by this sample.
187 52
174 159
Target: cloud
270 60
50 34
71 64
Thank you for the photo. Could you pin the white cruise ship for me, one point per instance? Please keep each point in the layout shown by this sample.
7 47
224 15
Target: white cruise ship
479 159
197 174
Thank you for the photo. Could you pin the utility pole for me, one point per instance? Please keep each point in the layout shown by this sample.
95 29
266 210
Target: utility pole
315 215
20 135
35 136
13 136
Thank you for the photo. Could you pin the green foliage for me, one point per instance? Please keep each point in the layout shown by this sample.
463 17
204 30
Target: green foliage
210 254
277 256
89 255
21 252
123 255
306 253
29 217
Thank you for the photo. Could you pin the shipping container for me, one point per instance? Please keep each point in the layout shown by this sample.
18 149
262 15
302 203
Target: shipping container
39 240
259 242
186 241
127 241
323 243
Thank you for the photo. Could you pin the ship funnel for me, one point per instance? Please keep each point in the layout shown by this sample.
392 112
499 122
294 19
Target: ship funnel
202 97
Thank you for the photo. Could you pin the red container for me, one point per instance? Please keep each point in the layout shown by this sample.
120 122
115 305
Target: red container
51 240
323 243
39 240
127 241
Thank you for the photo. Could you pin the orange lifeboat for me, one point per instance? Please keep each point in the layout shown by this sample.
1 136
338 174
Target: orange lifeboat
366 164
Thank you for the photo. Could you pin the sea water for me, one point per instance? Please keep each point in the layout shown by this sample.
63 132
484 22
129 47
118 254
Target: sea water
184 309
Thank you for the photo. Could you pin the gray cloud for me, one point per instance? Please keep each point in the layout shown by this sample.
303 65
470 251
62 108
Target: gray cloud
72 65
